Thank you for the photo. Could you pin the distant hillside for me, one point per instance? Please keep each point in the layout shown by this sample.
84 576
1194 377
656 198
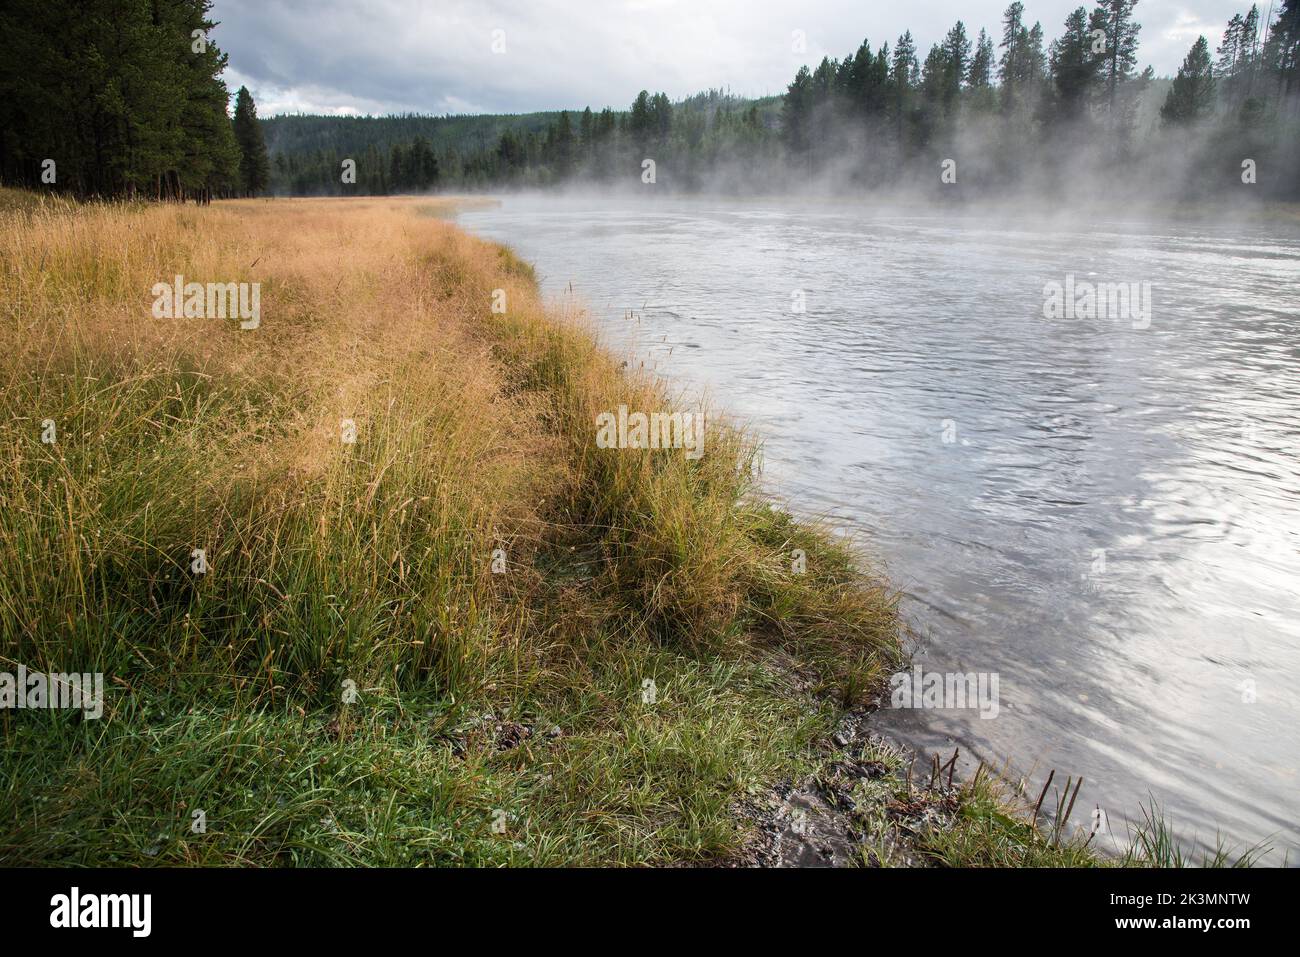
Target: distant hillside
414 153
306 133
303 134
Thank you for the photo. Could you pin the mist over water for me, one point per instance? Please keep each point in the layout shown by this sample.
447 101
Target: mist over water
1106 516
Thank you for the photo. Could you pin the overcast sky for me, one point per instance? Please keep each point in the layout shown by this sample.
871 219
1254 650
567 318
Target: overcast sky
437 56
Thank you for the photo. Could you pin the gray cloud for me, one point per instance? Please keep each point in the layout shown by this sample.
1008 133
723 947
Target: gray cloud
381 56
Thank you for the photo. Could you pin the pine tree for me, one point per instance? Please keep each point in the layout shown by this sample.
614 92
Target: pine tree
1121 45
1287 32
398 168
254 166
1023 66
560 145
639 123
424 164
1250 53
661 117
844 85
1009 70
906 74
1230 49
1238 56
796 113
982 95
934 77
1037 58
957 64
1192 96
981 64
1075 67
587 133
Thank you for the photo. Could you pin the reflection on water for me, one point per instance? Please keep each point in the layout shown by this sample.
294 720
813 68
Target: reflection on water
1108 517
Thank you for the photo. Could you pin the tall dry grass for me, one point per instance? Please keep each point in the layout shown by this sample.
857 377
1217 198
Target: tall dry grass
475 432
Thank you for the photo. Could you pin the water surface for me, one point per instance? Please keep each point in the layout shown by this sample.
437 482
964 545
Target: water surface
1106 516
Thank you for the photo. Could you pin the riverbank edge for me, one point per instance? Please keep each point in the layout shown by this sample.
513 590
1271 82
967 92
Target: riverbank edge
917 814
779 673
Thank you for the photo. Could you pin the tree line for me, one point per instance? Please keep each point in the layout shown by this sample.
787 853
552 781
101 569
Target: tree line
123 98
312 154
1010 108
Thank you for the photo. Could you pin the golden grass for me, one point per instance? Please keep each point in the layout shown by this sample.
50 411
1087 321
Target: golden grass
370 565
475 432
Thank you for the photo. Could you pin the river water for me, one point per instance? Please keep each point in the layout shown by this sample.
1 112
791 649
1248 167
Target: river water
1104 512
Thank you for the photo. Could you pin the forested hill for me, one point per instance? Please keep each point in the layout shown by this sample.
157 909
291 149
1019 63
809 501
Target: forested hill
402 153
412 151
298 135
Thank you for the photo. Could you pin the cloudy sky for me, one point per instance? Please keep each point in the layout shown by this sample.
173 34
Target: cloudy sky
477 56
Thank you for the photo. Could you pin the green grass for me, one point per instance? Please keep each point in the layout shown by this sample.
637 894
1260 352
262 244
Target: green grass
410 781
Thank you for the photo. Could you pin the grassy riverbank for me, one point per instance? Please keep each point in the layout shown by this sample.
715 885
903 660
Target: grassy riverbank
561 654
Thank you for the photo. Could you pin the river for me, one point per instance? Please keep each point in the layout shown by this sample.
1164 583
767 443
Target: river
1104 512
